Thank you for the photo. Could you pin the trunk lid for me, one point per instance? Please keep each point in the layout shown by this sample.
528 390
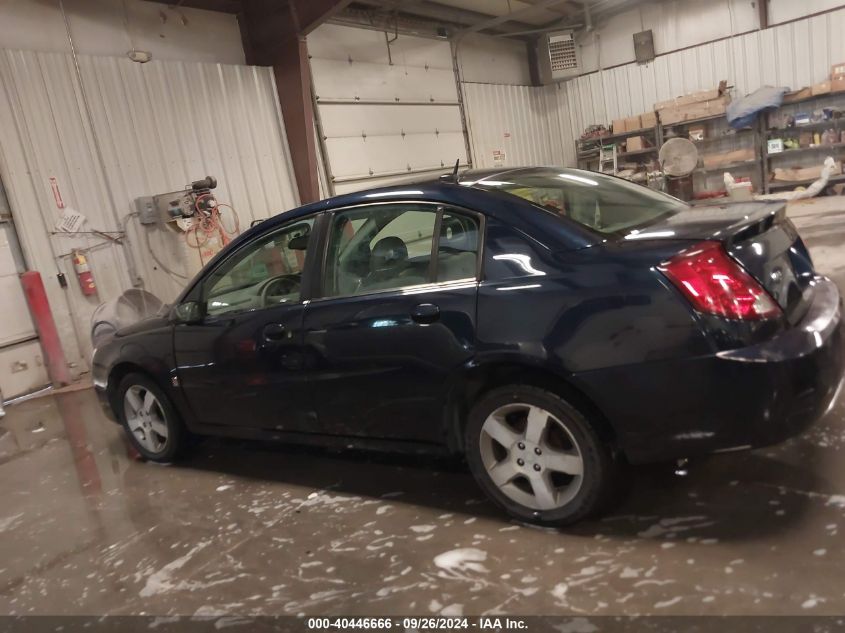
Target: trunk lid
756 234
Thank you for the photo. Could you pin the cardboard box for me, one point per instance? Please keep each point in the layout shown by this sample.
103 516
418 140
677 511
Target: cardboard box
740 191
619 126
694 111
694 97
648 119
636 143
837 85
795 174
633 123
726 158
837 71
822 88
798 95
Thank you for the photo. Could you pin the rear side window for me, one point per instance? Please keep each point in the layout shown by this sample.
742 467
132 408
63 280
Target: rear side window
602 203
391 246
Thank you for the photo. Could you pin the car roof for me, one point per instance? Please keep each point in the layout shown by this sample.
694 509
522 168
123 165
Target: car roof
444 188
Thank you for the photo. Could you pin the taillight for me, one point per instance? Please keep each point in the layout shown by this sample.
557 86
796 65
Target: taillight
716 284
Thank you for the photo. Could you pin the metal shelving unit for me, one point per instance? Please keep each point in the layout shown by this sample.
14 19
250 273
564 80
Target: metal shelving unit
780 159
743 138
587 151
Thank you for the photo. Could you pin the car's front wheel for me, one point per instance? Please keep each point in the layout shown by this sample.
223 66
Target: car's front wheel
537 456
150 421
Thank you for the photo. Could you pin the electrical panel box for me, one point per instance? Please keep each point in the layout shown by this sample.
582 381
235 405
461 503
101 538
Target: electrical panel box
644 46
165 207
145 206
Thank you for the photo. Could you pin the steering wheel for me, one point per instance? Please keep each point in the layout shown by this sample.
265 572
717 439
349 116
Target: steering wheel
276 290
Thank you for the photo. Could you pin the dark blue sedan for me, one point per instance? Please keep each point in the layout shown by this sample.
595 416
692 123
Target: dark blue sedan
546 323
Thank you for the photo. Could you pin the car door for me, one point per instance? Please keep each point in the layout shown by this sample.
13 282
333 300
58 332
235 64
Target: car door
393 323
241 365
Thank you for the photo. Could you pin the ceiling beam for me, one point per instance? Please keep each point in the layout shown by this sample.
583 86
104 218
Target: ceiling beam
221 6
312 13
510 17
440 13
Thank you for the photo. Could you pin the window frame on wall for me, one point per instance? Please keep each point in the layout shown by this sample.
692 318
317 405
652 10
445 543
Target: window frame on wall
320 282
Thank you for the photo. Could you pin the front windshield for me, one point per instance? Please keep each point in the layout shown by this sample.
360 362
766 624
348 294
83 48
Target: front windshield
600 202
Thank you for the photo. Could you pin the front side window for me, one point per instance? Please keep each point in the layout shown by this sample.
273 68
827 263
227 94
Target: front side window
265 273
603 203
390 246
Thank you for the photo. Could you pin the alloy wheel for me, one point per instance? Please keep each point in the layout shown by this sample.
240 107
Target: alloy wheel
531 456
145 418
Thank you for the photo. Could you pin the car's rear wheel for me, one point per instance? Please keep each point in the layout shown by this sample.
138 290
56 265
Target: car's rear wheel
151 423
537 456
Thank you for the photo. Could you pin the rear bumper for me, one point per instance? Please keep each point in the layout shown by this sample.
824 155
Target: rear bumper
745 398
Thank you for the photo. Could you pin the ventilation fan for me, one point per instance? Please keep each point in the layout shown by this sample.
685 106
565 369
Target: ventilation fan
563 59
678 157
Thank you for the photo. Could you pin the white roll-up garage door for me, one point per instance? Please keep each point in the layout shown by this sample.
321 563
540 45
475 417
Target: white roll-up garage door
21 363
387 110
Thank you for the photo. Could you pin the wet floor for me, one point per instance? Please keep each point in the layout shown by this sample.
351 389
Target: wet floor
248 528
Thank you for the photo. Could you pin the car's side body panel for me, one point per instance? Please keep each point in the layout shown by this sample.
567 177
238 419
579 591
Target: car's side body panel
376 372
552 296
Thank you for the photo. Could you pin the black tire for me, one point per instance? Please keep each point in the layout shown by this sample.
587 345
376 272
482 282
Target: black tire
597 481
177 437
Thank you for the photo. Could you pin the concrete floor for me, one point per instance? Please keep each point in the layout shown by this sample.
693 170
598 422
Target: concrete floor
244 528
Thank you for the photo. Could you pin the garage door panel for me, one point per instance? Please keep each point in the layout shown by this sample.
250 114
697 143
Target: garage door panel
341 120
374 156
17 324
358 157
432 151
22 369
383 181
341 43
422 52
383 118
342 81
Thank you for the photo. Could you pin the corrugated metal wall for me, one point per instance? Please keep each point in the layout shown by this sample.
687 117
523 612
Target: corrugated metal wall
795 55
160 126
519 121
539 125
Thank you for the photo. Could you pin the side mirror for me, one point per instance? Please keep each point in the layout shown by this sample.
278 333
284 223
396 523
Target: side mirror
188 312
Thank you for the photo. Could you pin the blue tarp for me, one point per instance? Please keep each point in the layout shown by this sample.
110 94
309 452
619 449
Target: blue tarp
742 112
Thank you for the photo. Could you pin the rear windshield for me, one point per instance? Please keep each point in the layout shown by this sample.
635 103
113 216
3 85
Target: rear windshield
603 203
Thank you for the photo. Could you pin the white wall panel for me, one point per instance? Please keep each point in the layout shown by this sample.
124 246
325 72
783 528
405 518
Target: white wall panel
160 126
514 120
112 27
493 60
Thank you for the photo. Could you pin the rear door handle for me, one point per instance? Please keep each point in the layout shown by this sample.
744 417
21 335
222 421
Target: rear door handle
274 332
425 313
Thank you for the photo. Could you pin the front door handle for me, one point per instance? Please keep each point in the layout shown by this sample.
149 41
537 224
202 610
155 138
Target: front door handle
274 332
425 313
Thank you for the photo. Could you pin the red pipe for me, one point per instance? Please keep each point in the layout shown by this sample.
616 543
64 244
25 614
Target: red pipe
39 307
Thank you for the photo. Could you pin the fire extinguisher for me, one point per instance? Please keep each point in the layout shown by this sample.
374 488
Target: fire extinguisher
84 274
